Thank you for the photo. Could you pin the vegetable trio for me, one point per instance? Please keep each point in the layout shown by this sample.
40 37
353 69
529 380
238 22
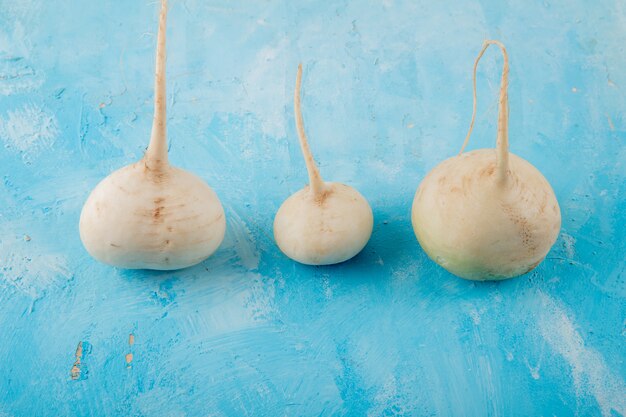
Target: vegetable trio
485 214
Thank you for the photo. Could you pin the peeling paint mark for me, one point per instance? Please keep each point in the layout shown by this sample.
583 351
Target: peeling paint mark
129 356
611 125
75 371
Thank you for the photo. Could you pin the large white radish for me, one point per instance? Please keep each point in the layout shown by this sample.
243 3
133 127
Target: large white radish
150 214
486 214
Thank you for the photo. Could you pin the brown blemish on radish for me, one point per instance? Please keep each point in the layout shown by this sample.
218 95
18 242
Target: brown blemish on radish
157 213
487 171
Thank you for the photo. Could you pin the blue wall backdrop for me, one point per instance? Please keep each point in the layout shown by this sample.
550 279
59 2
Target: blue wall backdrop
386 96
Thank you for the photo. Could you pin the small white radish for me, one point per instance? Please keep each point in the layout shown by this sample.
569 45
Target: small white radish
486 214
151 215
325 222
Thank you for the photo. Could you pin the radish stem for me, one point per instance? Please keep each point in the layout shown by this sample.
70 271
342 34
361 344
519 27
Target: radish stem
502 143
315 180
156 155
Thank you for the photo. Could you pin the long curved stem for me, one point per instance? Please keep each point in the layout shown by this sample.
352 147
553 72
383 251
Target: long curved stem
156 155
502 142
315 180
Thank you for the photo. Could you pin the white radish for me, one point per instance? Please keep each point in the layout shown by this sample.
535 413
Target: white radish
325 222
486 214
151 215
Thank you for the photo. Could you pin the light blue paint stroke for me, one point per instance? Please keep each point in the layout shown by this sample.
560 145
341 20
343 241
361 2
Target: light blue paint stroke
387 96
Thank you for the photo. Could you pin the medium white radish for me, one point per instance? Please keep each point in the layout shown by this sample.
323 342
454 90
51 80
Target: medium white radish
151 215
325 222
486 214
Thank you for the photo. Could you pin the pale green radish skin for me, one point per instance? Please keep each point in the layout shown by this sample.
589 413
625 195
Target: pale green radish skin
325 222
151 215
481 230
486 214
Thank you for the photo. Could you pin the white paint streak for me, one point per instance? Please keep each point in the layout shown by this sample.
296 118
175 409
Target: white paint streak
328 290
265 84
590 373
250 306
475 315
244 242
534 370
16 73
386 398
29 269
13 40
383 169
28 129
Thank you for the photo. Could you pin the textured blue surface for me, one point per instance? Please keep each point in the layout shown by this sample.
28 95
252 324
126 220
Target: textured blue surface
387 95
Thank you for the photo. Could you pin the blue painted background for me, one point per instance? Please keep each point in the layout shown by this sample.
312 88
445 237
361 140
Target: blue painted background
386 96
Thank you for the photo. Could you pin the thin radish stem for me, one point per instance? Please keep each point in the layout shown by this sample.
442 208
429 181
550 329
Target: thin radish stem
156 155
315 180
502 142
